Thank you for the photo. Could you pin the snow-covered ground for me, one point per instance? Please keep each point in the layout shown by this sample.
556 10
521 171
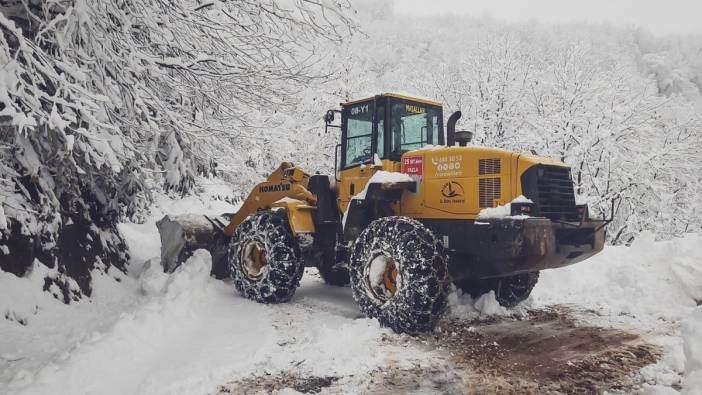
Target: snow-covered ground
153 333
182 333
651 287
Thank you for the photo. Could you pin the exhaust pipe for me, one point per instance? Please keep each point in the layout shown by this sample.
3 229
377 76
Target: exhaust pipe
451 129
461 137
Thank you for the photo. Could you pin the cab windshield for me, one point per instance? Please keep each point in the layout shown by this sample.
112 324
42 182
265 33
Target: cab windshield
413 126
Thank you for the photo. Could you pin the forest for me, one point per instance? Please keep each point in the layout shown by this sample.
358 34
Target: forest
115 113
106 104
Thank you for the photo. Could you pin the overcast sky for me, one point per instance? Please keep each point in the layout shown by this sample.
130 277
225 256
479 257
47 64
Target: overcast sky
659 16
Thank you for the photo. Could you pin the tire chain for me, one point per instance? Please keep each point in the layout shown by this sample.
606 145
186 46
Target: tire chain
422 298
282 274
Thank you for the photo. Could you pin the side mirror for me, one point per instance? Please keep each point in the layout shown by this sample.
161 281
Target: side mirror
329 117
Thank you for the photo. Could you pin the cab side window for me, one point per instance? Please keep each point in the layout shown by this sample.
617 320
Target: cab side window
359 131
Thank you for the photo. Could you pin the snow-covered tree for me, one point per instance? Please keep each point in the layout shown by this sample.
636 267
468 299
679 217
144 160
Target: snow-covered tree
100 100
582 94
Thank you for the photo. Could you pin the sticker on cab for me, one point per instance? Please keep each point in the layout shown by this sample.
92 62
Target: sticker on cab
413 165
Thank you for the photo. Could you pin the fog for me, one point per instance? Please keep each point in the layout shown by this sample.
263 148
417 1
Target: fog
660 17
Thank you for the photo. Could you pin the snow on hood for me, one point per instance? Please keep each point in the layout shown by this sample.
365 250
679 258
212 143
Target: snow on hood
380 177
383 177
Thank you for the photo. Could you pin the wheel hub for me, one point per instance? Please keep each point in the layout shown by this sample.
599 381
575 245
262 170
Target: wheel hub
253 260
383 277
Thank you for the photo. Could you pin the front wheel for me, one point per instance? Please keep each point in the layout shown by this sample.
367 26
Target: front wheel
509 291
264 258
399 274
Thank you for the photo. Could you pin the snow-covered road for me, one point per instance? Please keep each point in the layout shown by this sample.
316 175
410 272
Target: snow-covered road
182 333
192 333
152 333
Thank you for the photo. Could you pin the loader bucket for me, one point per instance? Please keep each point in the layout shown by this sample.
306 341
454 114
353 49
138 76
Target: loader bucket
182 234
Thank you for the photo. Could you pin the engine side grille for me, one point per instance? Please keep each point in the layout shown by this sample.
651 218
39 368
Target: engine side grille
489 191
551 189
488 166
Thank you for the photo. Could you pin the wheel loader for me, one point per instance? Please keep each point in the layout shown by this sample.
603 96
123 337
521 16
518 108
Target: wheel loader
402 219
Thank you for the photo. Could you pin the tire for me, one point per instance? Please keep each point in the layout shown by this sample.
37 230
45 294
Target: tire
264 258
399 275
509 291
336 275
334 266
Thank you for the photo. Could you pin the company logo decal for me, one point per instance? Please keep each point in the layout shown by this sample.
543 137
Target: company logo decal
452 193
274 188
452 189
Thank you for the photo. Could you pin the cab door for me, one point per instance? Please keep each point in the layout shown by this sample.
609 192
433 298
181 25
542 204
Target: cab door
362 139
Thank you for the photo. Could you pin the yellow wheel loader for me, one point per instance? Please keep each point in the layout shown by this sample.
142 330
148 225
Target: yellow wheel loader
409 211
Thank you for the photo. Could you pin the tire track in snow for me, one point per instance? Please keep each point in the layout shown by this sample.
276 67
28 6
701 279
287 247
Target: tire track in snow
545 351
323 341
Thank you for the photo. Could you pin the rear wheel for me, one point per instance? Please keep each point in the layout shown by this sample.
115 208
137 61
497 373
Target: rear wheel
335 274
334 265
264 258
399 274
509 291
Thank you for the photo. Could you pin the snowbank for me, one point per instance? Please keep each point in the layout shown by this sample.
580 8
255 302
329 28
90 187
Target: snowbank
42 330
3 219
22 296
119 357
215 198
650 281
190 333
692 346
648 287
462 305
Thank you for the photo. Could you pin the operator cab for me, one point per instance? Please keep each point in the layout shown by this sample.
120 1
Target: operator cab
376 132
388 125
